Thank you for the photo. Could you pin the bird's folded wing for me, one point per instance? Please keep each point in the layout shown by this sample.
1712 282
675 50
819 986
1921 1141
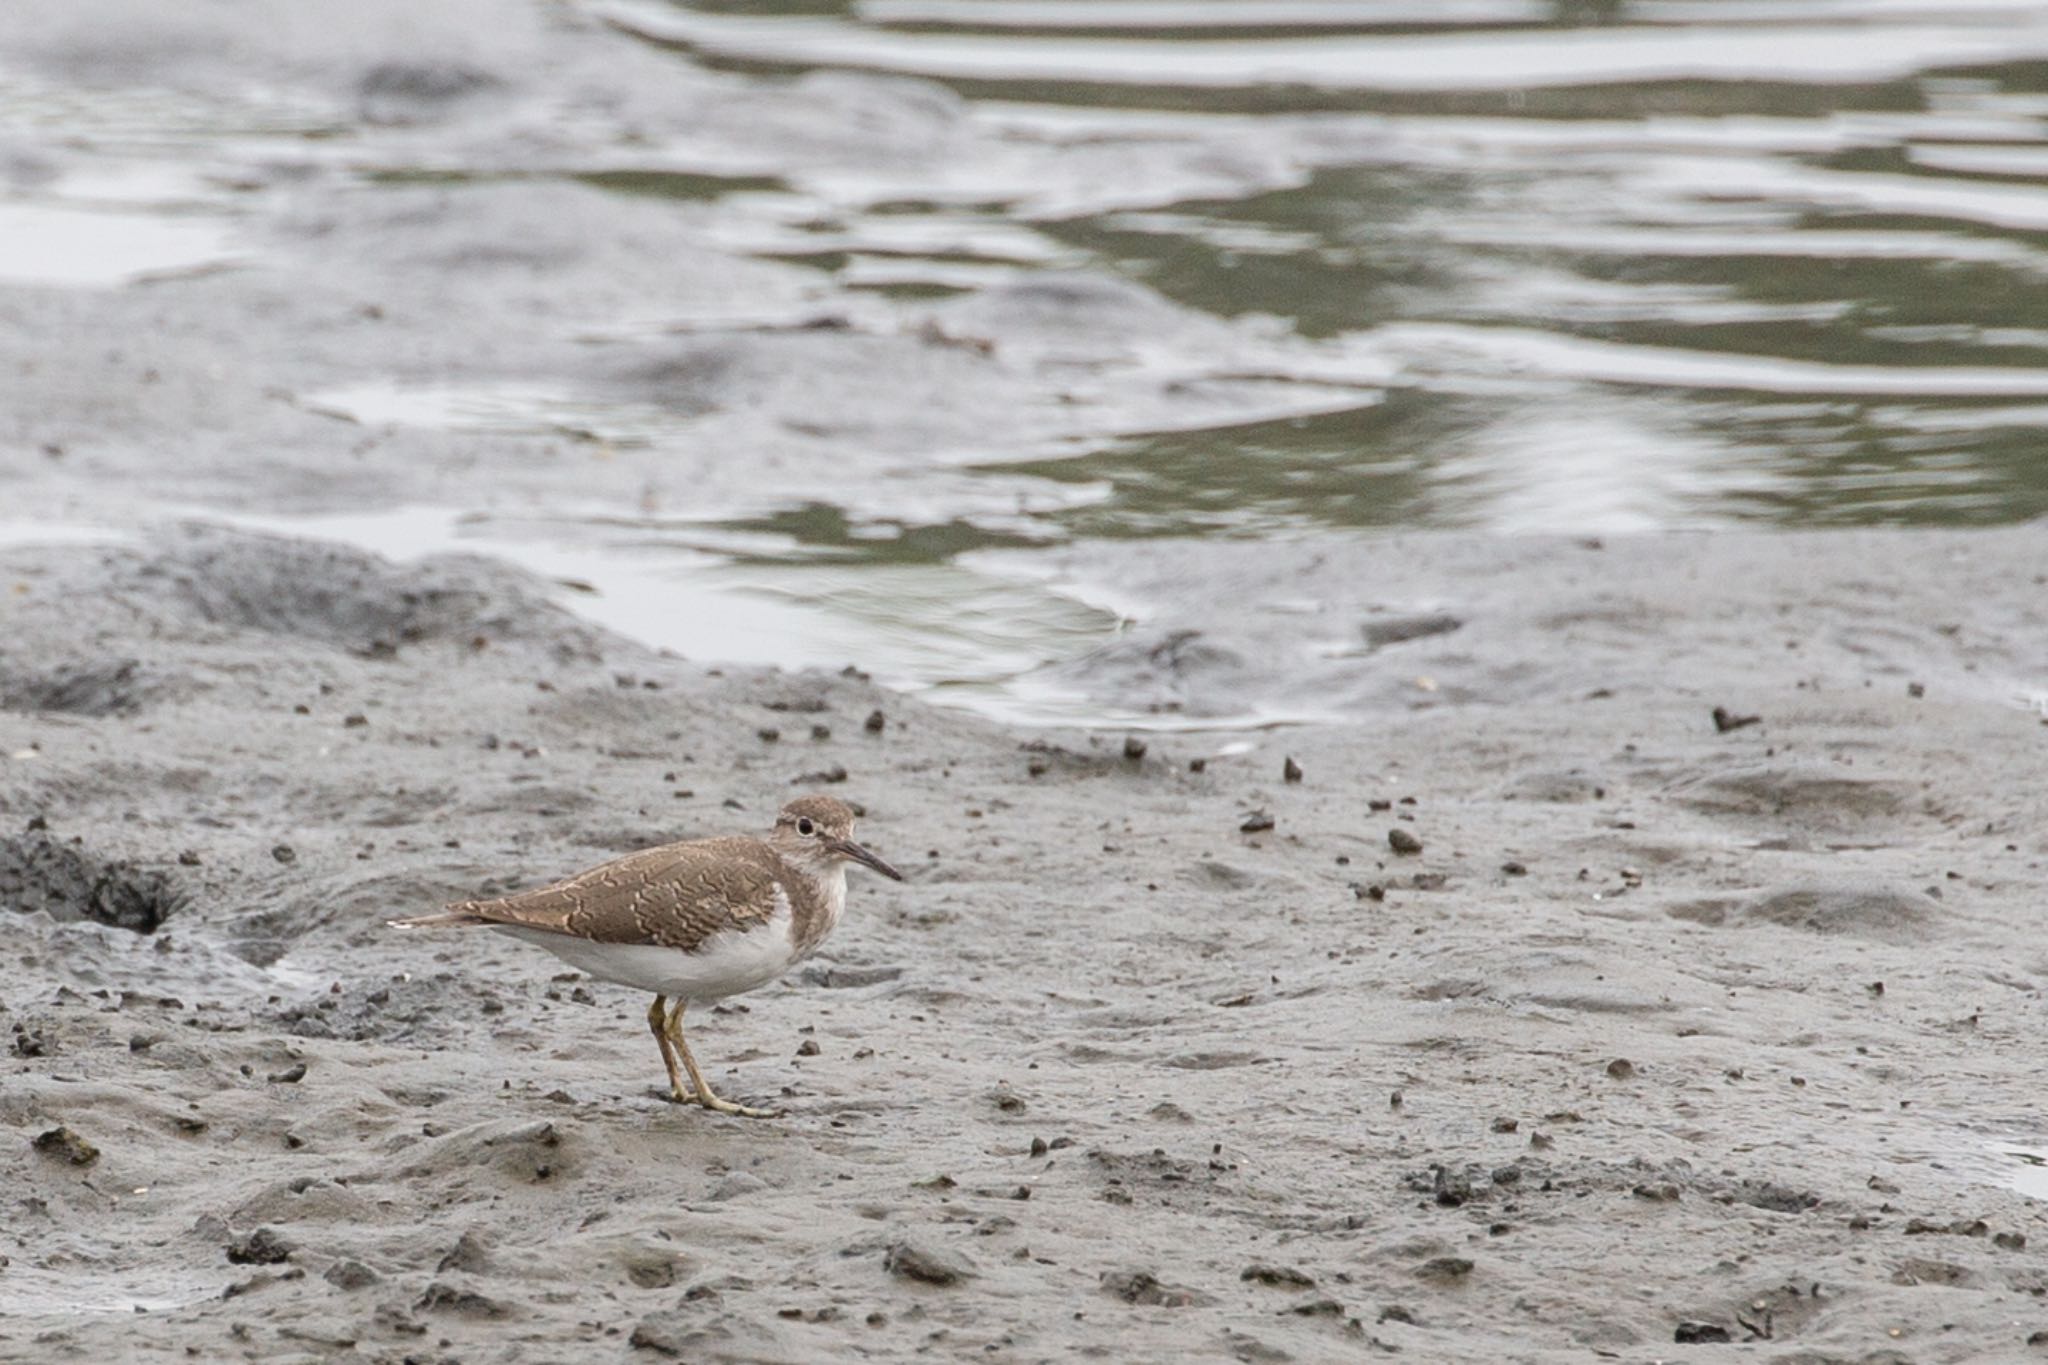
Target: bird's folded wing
673 896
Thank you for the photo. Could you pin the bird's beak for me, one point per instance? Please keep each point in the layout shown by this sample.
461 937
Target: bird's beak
847 848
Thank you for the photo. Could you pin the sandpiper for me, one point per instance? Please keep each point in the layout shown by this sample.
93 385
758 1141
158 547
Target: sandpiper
693 921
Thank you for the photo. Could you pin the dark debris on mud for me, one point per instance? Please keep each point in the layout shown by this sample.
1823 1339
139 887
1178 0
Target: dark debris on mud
105 687
66 880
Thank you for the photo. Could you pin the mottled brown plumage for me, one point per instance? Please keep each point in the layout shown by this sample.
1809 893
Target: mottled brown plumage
694 921
673 895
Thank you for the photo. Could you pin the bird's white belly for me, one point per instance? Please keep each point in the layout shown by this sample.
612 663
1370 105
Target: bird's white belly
724 964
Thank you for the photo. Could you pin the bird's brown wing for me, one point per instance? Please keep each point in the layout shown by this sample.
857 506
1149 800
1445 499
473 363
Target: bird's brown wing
672 896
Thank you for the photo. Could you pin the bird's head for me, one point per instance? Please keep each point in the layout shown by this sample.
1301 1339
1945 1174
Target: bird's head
818 830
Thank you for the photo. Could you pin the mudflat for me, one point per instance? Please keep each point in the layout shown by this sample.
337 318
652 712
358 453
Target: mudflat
1541 1017
1621 948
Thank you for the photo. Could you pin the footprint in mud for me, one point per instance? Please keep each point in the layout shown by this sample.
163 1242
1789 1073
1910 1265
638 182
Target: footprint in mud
1809 799
1557 786
1176 668
1859 909
1856 909
529 1151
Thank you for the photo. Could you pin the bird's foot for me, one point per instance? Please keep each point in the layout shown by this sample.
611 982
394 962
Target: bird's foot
721 1106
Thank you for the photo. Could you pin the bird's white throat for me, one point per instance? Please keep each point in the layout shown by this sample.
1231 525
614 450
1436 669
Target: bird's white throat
829 885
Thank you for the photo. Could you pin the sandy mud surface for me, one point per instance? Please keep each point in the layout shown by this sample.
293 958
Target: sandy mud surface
1657 1033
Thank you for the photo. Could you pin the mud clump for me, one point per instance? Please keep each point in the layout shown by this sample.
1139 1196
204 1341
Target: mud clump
323 591
261 1247
62 1144
1143 1287
39 873
1396 630
912 1260
114 687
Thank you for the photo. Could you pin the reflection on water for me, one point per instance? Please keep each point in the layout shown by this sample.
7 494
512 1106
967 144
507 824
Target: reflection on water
1345 468
1634 264
1586 48
1513 208
711 592
53 244
2023 1168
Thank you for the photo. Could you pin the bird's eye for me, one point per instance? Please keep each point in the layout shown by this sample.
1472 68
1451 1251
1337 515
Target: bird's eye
804 826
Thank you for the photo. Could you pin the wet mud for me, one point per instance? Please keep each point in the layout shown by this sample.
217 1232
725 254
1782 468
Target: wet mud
1656 1036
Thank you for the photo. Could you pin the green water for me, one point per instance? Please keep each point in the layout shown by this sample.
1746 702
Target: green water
1856 192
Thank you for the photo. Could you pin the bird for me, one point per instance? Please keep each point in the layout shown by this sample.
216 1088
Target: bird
691 922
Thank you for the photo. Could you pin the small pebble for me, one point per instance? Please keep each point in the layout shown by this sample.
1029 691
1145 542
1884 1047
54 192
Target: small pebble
261 1247
932 1265
350 1275
1403 841
1445 1269
66 1145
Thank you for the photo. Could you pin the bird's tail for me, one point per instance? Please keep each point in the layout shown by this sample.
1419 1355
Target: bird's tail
439 920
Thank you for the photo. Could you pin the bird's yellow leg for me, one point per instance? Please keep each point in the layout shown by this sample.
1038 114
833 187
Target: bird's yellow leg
657 1021
704 1095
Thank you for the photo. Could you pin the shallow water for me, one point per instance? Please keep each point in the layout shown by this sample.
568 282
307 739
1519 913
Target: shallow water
1620 266
1585 266
956 635
2023 1168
